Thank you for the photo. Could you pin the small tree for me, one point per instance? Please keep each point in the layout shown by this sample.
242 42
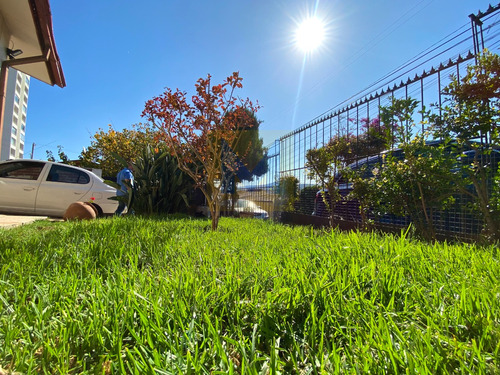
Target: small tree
415 181
250 147
249 153
472 112
288 189
201 134
323 165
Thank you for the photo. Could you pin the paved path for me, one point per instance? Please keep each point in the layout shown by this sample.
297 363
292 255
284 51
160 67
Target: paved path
10 221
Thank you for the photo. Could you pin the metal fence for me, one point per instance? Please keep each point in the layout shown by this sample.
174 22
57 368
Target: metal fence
423 78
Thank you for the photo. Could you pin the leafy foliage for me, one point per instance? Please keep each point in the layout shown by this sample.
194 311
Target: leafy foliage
472 112
375 137
250 148
249 154
398 120
203 135
472 109
63 158
161 187
306 199
288 189
323 164
127 143
415 181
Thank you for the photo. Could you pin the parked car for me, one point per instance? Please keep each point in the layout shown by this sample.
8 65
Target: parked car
349 209
242 208
246 208
38 187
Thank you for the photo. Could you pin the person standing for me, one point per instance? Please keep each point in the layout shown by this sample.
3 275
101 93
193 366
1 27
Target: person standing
125 179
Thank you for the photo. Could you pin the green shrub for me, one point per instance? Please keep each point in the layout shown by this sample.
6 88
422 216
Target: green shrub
305 203
161 187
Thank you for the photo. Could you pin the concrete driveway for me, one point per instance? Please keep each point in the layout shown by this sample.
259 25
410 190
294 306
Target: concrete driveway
10 221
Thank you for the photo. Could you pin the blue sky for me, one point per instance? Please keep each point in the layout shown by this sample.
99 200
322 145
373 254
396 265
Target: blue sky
116 55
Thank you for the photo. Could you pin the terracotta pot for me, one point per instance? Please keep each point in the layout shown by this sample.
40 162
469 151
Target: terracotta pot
80 211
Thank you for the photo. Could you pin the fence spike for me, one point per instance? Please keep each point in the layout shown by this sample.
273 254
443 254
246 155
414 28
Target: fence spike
450 63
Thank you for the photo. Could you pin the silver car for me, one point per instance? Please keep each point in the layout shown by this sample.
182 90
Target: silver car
242 208
246 208
46 188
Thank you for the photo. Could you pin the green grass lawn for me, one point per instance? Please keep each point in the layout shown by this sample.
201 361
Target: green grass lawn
168 296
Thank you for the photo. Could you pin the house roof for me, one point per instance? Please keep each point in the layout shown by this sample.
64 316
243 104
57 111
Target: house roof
29 23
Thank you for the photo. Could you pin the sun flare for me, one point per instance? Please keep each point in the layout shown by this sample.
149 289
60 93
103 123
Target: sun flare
310 34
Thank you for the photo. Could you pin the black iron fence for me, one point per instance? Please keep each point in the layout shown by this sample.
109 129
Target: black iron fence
422 79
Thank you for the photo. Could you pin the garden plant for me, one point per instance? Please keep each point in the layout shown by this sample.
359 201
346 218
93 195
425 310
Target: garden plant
203 133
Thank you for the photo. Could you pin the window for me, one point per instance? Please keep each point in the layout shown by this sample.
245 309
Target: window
21 170
22 136
13 141
12 152
25 108
27 80
23 128
59 173
16 99
14 131
14 120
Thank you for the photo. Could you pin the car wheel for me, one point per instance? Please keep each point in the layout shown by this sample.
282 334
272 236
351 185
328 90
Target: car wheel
99 210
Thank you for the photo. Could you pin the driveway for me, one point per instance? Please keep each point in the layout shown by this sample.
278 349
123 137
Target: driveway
10 221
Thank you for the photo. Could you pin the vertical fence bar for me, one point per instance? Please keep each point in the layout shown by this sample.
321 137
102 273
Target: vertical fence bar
422 101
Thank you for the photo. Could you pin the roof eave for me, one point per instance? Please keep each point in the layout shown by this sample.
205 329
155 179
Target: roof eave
42 17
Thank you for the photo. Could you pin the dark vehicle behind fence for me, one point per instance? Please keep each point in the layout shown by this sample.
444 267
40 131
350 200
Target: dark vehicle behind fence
457 218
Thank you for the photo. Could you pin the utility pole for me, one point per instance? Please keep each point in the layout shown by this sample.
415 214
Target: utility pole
32 150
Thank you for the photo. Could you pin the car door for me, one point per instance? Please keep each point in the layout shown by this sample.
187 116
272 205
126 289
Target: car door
19 184
62 186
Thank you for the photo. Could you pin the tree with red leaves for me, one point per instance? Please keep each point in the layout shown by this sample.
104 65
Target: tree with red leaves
203 134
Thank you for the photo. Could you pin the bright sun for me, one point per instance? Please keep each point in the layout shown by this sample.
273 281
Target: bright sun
310 34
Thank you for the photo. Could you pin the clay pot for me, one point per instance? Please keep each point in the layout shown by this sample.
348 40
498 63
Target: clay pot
80 211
